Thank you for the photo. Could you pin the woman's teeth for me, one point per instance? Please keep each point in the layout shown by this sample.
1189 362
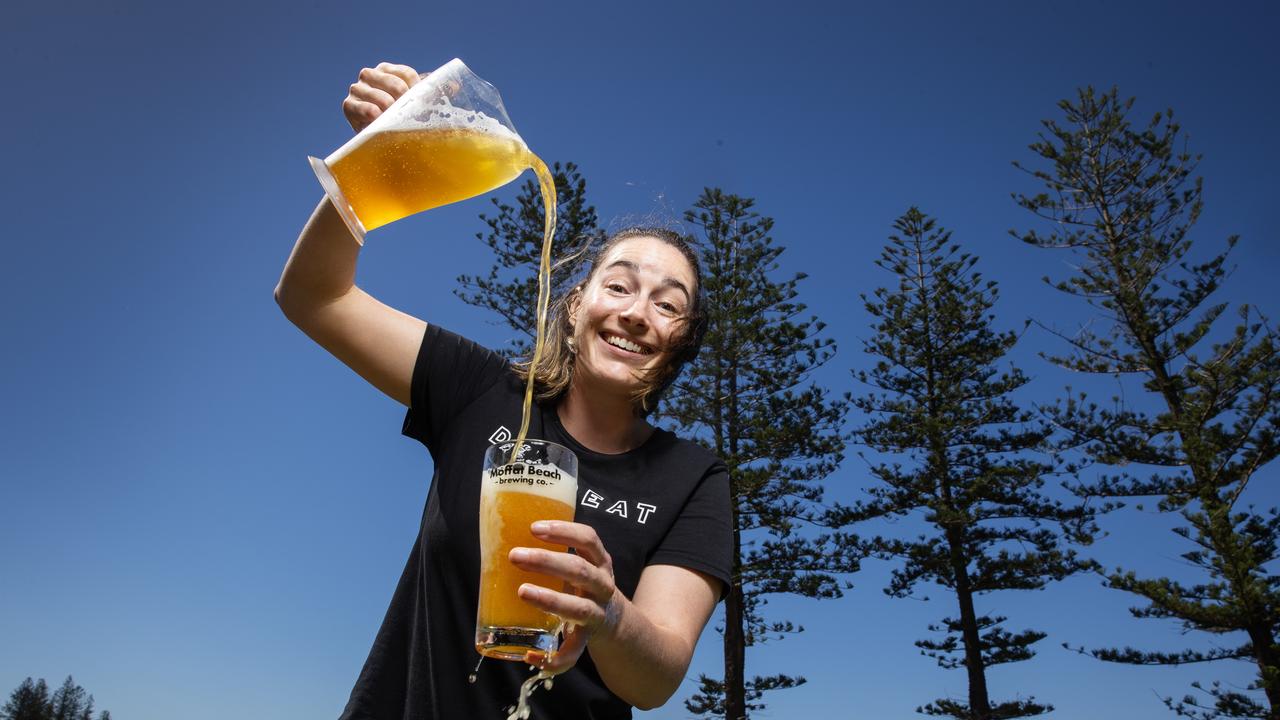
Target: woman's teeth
625 344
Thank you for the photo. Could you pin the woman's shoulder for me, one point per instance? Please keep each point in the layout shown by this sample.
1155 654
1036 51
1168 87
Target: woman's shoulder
440 338
445 353
686 452
450 373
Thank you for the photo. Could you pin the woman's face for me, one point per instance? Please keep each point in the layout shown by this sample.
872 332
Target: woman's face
629 312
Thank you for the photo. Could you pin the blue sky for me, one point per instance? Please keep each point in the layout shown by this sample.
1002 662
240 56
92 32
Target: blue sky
203 515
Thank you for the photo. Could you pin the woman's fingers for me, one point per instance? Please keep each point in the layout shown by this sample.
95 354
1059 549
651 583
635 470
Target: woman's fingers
584 611
374 91
359 113
572 645
372 95
596 583
582 538
389 82
407 74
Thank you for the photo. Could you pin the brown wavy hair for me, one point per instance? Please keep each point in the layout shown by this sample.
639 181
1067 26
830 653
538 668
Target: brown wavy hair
555 368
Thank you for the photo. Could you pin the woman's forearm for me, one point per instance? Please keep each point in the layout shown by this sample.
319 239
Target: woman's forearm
322 266
640 661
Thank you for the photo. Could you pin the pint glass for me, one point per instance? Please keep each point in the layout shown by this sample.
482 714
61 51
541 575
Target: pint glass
541 483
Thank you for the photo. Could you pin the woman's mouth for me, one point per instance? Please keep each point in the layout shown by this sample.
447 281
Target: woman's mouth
625 344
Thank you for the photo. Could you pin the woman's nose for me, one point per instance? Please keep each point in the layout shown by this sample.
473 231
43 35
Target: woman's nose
634 313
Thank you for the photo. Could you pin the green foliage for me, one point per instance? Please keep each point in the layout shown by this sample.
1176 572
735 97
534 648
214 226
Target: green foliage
997 645
510 288
710 698
968 460
999 711
32 701
1123 200
71 702
749 397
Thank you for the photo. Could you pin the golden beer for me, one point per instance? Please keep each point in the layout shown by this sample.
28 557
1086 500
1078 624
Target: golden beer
509 516
396 173
512 497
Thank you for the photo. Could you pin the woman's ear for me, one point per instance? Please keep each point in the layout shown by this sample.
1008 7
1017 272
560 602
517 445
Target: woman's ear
575 302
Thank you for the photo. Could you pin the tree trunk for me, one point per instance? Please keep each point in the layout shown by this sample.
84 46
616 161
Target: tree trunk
735 651
735 696
979 702
1264 651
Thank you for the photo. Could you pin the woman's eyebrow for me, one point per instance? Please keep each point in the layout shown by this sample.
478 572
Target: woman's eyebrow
666 281
674 283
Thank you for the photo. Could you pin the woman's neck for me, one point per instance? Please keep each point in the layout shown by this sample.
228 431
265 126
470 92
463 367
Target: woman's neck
607 425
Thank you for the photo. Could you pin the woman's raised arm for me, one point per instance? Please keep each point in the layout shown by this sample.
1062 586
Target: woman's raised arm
317 289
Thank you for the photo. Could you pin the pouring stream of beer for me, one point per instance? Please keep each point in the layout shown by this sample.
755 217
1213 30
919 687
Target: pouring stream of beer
547 187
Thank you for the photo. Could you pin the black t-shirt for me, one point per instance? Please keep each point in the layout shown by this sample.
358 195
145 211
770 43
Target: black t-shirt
666 502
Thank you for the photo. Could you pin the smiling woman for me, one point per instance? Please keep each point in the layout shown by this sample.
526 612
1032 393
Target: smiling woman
651 535
649 279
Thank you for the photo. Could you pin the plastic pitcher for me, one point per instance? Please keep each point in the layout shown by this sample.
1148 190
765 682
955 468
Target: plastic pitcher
447 139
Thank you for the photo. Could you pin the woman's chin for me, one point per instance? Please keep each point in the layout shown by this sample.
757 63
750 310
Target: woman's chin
621 381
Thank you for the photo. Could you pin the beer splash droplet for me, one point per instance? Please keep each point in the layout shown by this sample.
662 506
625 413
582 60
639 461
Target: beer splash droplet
521 710
472 677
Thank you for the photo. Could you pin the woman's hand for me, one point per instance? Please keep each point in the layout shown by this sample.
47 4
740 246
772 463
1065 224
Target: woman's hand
374 91
641 646
593 607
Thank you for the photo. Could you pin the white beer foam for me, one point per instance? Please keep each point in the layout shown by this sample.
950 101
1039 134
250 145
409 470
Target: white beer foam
444 117
528 480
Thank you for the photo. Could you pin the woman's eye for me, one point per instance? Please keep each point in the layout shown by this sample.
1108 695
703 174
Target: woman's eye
616 287
668 307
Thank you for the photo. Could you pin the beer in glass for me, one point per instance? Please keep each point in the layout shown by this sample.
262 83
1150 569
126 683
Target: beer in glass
541 483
